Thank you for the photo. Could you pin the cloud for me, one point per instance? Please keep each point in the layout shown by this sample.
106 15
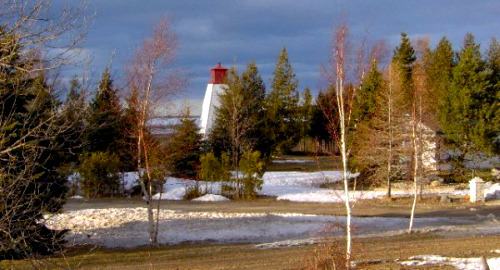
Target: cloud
236 32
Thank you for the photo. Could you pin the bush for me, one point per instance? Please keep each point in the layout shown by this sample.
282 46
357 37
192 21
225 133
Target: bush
252 168
192 192
100 174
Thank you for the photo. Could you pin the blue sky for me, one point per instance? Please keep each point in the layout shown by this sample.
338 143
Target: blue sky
238 31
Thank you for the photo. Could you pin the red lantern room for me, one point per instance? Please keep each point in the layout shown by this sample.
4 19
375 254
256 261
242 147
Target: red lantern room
218 74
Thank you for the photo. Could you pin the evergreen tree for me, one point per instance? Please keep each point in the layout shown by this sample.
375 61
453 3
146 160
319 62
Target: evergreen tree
184 146
463 125
242 99
254 91
439 75
74 112
105 126
369 135
492 112
404 57
252 168
283 119
30 155
365 106
238 125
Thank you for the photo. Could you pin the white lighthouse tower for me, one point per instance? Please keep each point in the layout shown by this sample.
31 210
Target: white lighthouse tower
211 100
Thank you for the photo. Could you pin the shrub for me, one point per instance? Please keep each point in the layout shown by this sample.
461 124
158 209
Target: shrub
252 168
100 174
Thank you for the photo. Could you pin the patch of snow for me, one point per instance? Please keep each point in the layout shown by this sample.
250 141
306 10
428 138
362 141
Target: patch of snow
78 197
285 161
459 263
211 198
128 227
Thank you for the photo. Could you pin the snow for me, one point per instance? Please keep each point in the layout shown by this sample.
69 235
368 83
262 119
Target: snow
285 161
291 186
78 197
128 227
211 198
458 263
492 191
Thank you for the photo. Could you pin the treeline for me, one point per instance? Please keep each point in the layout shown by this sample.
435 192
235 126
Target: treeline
450 98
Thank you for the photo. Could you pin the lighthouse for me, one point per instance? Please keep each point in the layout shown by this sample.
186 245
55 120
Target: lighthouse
211 100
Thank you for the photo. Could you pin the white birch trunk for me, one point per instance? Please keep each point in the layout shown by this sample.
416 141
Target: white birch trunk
415 167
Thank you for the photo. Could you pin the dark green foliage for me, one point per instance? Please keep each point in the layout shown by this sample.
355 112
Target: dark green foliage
252 168
31 154
184 147
365 103
74 112
239 119
439 74
366 134
404 57
492 112
105 124
306 113
467 118
100 173
282 104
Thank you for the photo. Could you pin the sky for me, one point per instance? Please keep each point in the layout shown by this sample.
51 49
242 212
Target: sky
235 32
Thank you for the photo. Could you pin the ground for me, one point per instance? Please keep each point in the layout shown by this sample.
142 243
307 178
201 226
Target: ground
377 251
295 222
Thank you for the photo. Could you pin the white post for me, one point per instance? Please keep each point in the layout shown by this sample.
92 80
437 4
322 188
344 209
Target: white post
476 191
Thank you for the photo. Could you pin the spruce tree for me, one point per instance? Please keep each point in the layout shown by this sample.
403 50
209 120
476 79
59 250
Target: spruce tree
404 57
105 126
462 124
283 123
184 146
30 155
492 112
239 124
369 133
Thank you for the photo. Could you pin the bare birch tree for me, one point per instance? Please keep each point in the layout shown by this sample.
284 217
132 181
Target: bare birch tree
339 122
151 80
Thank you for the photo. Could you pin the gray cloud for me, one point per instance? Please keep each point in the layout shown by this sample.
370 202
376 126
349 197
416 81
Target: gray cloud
238 31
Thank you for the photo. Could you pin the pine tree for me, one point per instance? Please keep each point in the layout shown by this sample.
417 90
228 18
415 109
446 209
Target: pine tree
184 146
462 124
283 123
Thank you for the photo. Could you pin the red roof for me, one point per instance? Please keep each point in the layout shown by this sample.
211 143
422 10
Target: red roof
218 74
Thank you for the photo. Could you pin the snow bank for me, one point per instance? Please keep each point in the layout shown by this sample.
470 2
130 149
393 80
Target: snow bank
459 263
128 227
211 198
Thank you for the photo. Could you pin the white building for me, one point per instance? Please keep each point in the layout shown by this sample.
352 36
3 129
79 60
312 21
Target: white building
211 100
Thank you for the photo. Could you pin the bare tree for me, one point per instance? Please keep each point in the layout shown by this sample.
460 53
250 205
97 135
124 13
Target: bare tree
340 121
151 80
